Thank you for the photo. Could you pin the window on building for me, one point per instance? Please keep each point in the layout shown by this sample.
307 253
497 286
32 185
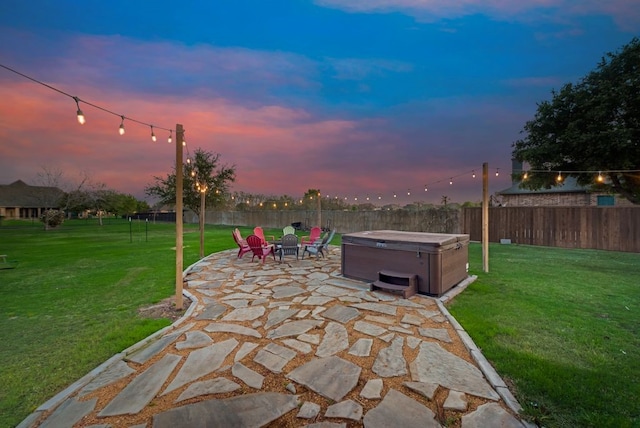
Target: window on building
605 200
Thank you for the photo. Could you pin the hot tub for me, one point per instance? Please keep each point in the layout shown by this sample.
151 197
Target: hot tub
439 260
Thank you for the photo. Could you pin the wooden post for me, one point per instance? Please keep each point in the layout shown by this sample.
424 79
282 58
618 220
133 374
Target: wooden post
485 217
203 193
179 237
319 210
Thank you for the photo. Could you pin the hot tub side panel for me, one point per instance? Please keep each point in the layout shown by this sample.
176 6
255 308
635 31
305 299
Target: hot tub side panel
364 262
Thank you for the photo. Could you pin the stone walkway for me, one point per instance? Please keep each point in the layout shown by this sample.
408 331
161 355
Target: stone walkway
292 344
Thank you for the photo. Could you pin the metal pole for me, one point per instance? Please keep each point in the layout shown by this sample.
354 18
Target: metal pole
179 237
485 217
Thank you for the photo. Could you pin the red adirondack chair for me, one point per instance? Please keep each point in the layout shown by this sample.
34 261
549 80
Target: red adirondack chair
243 247
313 236
259 249
260 233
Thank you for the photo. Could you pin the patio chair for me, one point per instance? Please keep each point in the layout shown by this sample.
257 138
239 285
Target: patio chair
289 246
288 230
259 249
243 247
325 246
260 233
313 235
317 248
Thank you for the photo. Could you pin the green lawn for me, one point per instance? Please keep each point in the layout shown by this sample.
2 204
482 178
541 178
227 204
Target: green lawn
560 325
564 327
72 301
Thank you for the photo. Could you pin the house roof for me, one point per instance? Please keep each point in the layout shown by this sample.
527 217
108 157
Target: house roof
569 185
20 194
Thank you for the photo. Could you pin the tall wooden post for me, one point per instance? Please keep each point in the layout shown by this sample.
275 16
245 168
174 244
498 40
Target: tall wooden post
485 217
203 193
319 210
179 236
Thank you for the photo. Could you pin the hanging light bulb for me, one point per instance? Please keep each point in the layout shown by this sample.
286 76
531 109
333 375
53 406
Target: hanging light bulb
395 196
408 192
153 136
379 197
473 174
80 115
121 130
600 177
450 181
367 197
497 172
170 139
559 177
525 176
188 160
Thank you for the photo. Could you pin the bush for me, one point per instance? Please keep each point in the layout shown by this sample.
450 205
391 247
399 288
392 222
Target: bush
52 218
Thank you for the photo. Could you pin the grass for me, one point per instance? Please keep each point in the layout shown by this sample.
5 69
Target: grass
560 325
563 327
72 301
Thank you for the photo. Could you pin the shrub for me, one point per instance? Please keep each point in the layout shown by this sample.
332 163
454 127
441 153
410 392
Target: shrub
52 218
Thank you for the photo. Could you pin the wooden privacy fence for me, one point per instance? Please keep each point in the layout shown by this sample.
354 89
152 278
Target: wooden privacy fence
603 228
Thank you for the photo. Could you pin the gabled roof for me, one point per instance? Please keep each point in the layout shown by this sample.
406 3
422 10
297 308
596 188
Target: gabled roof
569 185
20 194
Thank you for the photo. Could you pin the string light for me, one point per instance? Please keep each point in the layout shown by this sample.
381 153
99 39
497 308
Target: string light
473 174
600 178
170 139
497 172
153 136
451 181
559 177
121 130
425 188
525 176
79 114
408 192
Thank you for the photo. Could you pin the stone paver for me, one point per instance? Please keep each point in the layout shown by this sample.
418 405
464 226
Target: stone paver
347 409
331 377
295 326
202 362
135 396
398 410
251 410
336 339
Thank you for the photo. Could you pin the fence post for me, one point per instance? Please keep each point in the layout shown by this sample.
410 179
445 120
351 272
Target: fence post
485 217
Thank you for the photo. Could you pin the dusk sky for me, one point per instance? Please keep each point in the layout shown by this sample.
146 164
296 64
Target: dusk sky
356 98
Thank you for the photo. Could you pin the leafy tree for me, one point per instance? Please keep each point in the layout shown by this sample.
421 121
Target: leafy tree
593 125
203 172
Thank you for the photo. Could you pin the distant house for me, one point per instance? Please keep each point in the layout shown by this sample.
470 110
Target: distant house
20 200
569 193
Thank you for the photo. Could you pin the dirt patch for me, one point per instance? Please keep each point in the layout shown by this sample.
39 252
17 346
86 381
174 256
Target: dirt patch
165 309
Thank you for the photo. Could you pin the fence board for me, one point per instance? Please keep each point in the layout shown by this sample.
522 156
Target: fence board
603 228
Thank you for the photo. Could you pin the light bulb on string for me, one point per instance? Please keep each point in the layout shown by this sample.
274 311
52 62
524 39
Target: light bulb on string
153 136
525 176
559 177
450 181
79 114
497 172
408 192
426 188
473 174
395 196
600 178
379 197
170 139
121 129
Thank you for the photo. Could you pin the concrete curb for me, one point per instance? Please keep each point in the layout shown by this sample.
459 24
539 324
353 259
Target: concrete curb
485 366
